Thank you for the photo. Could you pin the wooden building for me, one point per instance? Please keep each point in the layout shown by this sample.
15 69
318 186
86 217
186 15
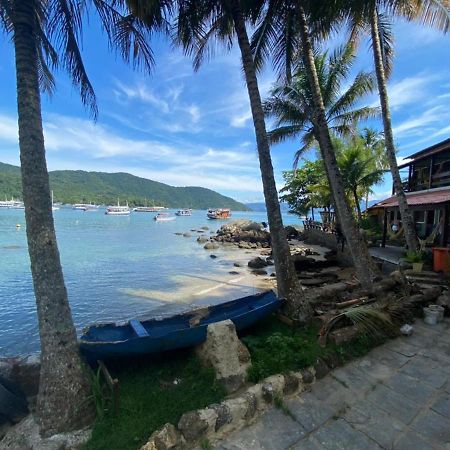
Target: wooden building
427 187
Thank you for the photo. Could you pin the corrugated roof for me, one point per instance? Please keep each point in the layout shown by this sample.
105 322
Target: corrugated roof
431 197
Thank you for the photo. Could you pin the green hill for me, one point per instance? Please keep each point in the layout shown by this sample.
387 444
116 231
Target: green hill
78 186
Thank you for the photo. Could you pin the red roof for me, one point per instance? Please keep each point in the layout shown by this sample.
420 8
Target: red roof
431 197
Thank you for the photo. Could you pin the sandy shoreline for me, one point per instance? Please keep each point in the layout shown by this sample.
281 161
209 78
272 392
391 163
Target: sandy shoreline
225 282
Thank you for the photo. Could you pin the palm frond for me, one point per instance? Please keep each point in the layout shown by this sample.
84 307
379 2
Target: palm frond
284 133
130 34
386 42
65 26
435 13
363 84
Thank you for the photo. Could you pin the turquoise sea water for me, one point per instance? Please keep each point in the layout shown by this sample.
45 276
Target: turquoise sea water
115 267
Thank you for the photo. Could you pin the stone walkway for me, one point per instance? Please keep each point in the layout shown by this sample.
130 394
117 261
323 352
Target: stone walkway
397 397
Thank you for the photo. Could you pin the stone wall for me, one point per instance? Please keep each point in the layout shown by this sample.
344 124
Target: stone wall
329 240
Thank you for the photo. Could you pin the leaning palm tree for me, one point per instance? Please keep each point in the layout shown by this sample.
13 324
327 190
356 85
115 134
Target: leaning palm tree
46 33
369 14
290 104
307 22
198 23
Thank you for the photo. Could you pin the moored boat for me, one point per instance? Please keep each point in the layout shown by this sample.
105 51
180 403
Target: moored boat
85 207
139 337
184 212
54 206
163 217
118 210
148 208
218 213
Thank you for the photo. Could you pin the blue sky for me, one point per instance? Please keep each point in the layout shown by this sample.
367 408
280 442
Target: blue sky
185 128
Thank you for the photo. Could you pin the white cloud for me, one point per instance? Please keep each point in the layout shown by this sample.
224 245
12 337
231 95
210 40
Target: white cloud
409 90
415 126
8 129
141 92
80 144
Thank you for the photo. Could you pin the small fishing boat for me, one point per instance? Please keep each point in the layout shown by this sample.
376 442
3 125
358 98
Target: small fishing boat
163 217
219 213
139 337
184 212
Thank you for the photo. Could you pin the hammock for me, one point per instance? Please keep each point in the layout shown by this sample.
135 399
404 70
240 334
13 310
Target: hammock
394 235
430 239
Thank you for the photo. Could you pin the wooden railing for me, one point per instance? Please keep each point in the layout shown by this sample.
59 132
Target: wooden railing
309 224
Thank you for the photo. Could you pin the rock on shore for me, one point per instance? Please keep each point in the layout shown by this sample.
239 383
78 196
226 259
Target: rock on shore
244 232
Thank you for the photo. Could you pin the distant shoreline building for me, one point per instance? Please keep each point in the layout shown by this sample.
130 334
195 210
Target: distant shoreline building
427 187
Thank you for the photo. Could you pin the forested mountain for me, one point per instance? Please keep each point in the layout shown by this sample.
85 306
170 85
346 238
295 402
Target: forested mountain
78 186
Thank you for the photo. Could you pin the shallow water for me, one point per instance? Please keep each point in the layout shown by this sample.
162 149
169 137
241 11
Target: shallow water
115 267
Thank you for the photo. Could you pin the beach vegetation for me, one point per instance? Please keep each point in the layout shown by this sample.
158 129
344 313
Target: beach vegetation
278 348
153 391
307 187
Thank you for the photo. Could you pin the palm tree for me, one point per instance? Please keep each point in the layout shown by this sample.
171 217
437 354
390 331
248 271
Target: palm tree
362 13
270 32
199 22
64 387
292 107
359 170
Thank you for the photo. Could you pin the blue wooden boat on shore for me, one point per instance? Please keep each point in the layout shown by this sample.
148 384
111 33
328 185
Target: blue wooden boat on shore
138 337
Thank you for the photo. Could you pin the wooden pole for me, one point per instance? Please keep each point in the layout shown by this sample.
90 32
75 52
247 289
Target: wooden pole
383 243
444 234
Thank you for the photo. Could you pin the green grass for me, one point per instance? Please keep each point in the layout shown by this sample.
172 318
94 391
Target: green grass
149 398
277 348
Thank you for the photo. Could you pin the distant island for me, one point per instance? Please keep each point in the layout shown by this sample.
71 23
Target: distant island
79 186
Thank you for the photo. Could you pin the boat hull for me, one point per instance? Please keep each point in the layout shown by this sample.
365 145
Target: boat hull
174 332
117 213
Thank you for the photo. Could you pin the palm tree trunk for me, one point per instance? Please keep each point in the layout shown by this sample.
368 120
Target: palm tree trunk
287 281
358 206
63 383
405 213
363 263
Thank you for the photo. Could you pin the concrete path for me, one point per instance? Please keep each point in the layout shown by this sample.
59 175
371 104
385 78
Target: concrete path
397 397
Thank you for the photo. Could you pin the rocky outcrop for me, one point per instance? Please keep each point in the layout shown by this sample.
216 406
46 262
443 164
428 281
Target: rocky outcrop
226 354
244 232
23 371
166 438
25 435
211 246
257 263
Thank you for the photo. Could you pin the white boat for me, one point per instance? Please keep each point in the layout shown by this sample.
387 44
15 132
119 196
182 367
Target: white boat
85 207
218 213
184 212
11 204
118 210
164 217
17 205
54 207
148 208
